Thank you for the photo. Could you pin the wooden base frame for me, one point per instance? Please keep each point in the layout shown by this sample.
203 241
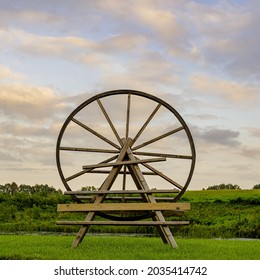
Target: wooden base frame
125 158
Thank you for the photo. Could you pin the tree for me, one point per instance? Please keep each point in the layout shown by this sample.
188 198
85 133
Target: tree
256 187
88 188
9 188
224 187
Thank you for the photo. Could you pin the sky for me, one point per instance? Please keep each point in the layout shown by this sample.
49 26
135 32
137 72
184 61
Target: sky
202 57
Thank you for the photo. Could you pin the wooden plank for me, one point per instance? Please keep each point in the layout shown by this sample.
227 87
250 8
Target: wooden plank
121 172
94 207
166 213
125 162
91 150
162 155
121 192
125 223
126 198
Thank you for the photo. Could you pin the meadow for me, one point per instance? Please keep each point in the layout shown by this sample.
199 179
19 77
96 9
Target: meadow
224 224
30 247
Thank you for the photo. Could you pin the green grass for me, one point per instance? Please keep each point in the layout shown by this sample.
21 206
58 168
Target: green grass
223 195
120 248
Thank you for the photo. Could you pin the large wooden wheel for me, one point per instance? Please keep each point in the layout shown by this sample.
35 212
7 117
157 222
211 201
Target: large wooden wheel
92 137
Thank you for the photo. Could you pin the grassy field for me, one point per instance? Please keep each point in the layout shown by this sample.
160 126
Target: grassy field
28 247
221 195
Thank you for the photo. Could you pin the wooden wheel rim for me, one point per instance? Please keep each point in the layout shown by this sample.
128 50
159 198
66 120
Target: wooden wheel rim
126 92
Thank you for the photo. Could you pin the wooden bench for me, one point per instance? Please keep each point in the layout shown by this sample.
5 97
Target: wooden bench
171 208
142 204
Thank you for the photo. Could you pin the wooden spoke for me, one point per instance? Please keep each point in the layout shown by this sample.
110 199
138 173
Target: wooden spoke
127 115
126 162
163 176
87 170
109 121
162 155
95 133
158 138
91 150
146 123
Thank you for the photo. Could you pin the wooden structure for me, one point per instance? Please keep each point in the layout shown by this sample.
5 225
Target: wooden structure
138 204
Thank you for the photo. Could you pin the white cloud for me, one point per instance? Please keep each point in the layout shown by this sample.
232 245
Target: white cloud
21 16
24 100
254 131
227 89
7 74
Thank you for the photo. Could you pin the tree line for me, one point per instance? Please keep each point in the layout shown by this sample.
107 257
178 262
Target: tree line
229 187
44 189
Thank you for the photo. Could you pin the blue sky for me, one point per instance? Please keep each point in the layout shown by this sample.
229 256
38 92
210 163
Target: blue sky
202 57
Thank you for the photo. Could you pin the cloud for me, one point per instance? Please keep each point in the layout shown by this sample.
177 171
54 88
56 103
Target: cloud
20 16
148 72
222 32
31 102
251 153
255 132
93 53
7 74
230 90
217 136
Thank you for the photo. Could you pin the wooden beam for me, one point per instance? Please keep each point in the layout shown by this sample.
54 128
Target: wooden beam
166 213
94 207
120 192
126 198
125 223
91 150
121 172
125 162
162 155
